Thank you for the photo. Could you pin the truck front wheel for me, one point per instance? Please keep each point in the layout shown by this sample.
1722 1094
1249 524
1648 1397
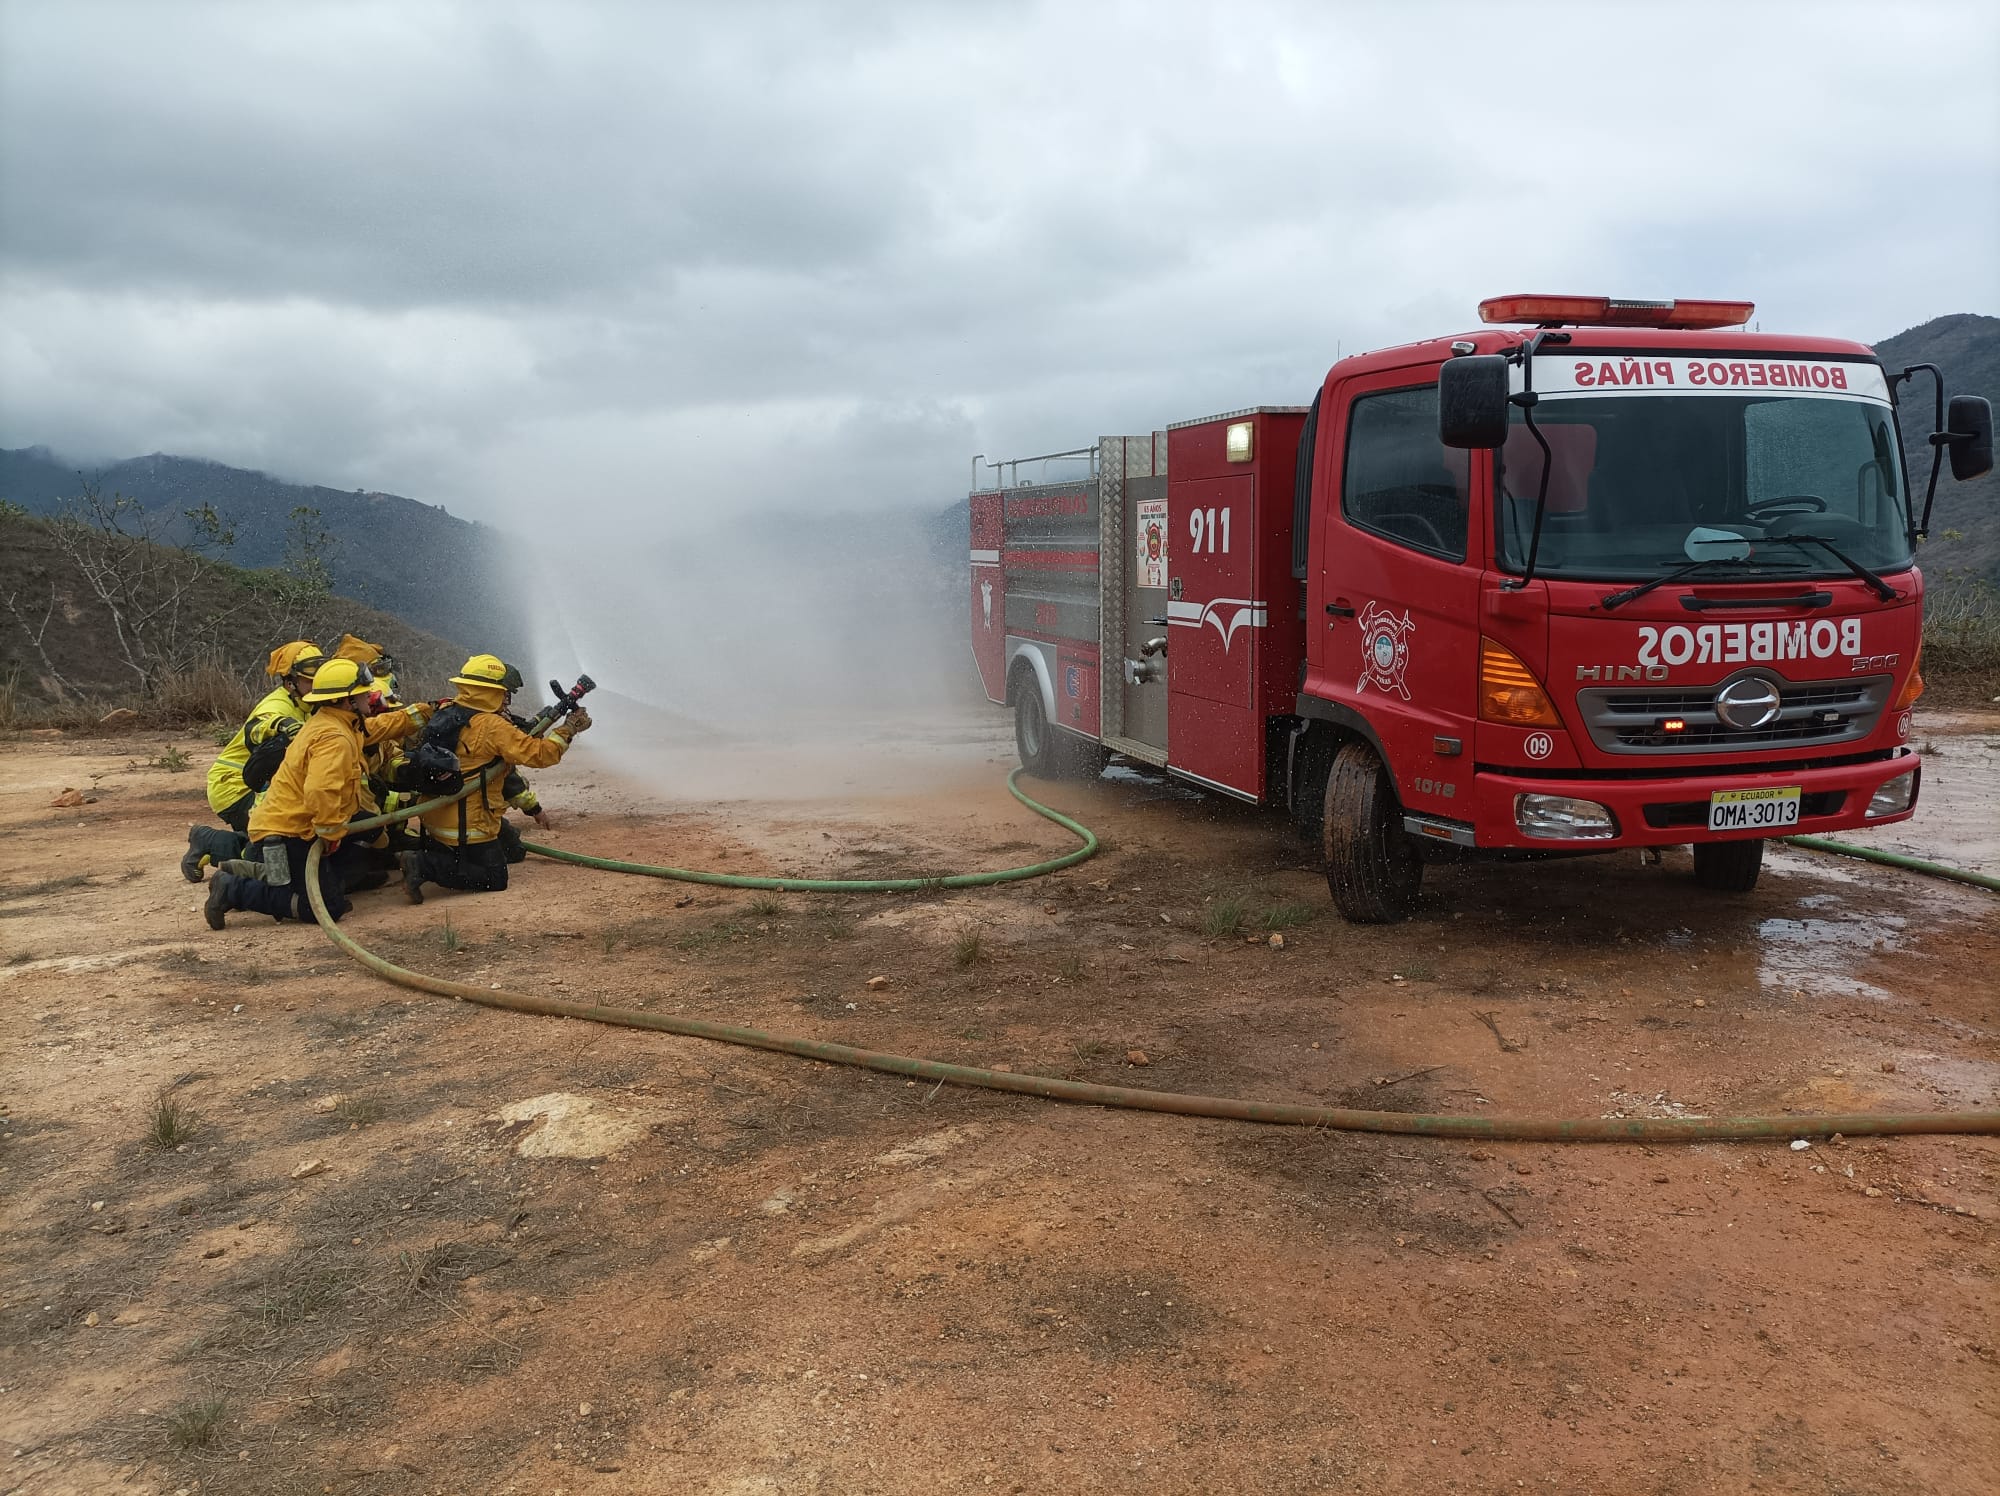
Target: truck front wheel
1728 867
1372 866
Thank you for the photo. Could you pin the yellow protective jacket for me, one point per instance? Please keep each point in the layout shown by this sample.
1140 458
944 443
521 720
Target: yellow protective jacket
225 775
489 736
317 789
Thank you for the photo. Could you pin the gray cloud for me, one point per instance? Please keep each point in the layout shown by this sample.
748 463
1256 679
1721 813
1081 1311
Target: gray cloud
681 259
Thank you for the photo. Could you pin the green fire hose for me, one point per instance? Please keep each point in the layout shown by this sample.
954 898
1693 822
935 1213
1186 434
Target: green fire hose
1343 1119
1895 859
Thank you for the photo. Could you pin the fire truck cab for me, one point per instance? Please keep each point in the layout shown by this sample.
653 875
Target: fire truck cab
1598 575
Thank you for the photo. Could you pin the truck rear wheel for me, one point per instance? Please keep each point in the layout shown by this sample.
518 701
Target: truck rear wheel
1728 867
1372 867
1034 739
1046 752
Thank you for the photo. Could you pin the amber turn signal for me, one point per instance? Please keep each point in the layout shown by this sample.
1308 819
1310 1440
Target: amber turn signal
1914 686
1509 692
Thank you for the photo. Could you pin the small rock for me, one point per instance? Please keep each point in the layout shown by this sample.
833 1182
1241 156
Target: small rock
1477 1155
1049 909
1137 1057
328 1103
1888 1067
583 1410
69 799
309 1168
1872 1193
214 1252
876 984
96 1205
535 1305
1799 1145
1277 941
1660 1179
1701 1002
92 1320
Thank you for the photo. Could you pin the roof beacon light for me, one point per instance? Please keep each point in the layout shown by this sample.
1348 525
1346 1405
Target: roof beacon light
1604 311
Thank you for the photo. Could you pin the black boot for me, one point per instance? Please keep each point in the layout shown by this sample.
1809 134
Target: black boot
413 875
194 859
209 846
218 900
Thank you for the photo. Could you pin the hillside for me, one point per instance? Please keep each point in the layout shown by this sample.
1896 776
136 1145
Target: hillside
228 627
1965 524
445 575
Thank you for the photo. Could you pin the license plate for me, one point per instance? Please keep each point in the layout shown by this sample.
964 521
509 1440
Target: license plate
1753 810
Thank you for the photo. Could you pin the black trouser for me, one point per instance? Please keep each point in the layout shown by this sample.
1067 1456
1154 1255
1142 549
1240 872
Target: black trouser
237 816
476 867
289 900
510 843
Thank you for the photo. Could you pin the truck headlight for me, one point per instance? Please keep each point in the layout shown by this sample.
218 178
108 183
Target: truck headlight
1559 818
1895 797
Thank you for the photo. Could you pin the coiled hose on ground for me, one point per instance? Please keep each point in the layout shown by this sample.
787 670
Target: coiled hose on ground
1343 1119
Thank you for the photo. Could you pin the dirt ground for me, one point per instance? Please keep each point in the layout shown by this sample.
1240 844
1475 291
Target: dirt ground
412 1245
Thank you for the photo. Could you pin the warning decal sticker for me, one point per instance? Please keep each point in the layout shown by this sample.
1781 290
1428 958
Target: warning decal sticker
1151 534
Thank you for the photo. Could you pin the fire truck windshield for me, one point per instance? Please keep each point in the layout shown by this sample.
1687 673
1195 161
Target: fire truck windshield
1642 484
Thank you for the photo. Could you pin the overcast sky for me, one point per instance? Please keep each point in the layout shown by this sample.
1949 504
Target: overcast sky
584 260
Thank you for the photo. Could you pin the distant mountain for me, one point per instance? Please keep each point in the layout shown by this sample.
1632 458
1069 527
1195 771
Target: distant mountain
1965 524
444 575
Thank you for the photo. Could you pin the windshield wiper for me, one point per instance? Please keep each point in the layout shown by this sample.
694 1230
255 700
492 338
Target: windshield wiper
1612 600
1883 590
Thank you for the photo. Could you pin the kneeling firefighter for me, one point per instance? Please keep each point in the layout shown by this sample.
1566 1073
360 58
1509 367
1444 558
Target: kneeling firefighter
314 794
459 845
246 764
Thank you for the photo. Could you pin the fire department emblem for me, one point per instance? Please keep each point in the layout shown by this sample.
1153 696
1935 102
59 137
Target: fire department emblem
1385 650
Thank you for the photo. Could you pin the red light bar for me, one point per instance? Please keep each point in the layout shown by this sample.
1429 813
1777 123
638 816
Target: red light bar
1605 311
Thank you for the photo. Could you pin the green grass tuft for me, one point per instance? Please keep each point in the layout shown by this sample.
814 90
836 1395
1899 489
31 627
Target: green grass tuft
1225 916
170 1123
196 1423
968 947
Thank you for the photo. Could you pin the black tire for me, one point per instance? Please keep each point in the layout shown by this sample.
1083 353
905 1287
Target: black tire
1034 739
1372 867
1728 867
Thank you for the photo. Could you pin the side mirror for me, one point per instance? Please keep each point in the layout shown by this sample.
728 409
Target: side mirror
1472 402
1968 429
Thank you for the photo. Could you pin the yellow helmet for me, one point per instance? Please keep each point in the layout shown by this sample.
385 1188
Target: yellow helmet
486 670
354 647
337 680
288 659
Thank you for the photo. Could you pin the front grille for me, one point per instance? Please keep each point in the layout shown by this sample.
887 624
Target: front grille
1810 713
1673 813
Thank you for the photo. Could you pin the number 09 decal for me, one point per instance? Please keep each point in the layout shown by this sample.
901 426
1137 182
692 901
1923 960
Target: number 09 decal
1202 528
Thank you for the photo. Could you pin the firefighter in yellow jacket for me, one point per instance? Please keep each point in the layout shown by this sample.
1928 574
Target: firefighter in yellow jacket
312 797
460 845
258 747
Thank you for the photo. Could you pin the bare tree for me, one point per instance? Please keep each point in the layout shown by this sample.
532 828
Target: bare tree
22 612
302 583
155 595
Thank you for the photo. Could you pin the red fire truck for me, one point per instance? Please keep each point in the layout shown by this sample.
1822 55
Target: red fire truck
1601 574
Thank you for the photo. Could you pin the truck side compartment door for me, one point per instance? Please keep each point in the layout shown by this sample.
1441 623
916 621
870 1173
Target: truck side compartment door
1217 735
1393 602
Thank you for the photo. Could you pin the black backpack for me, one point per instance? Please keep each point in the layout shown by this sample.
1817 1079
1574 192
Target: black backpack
262 764
430 770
